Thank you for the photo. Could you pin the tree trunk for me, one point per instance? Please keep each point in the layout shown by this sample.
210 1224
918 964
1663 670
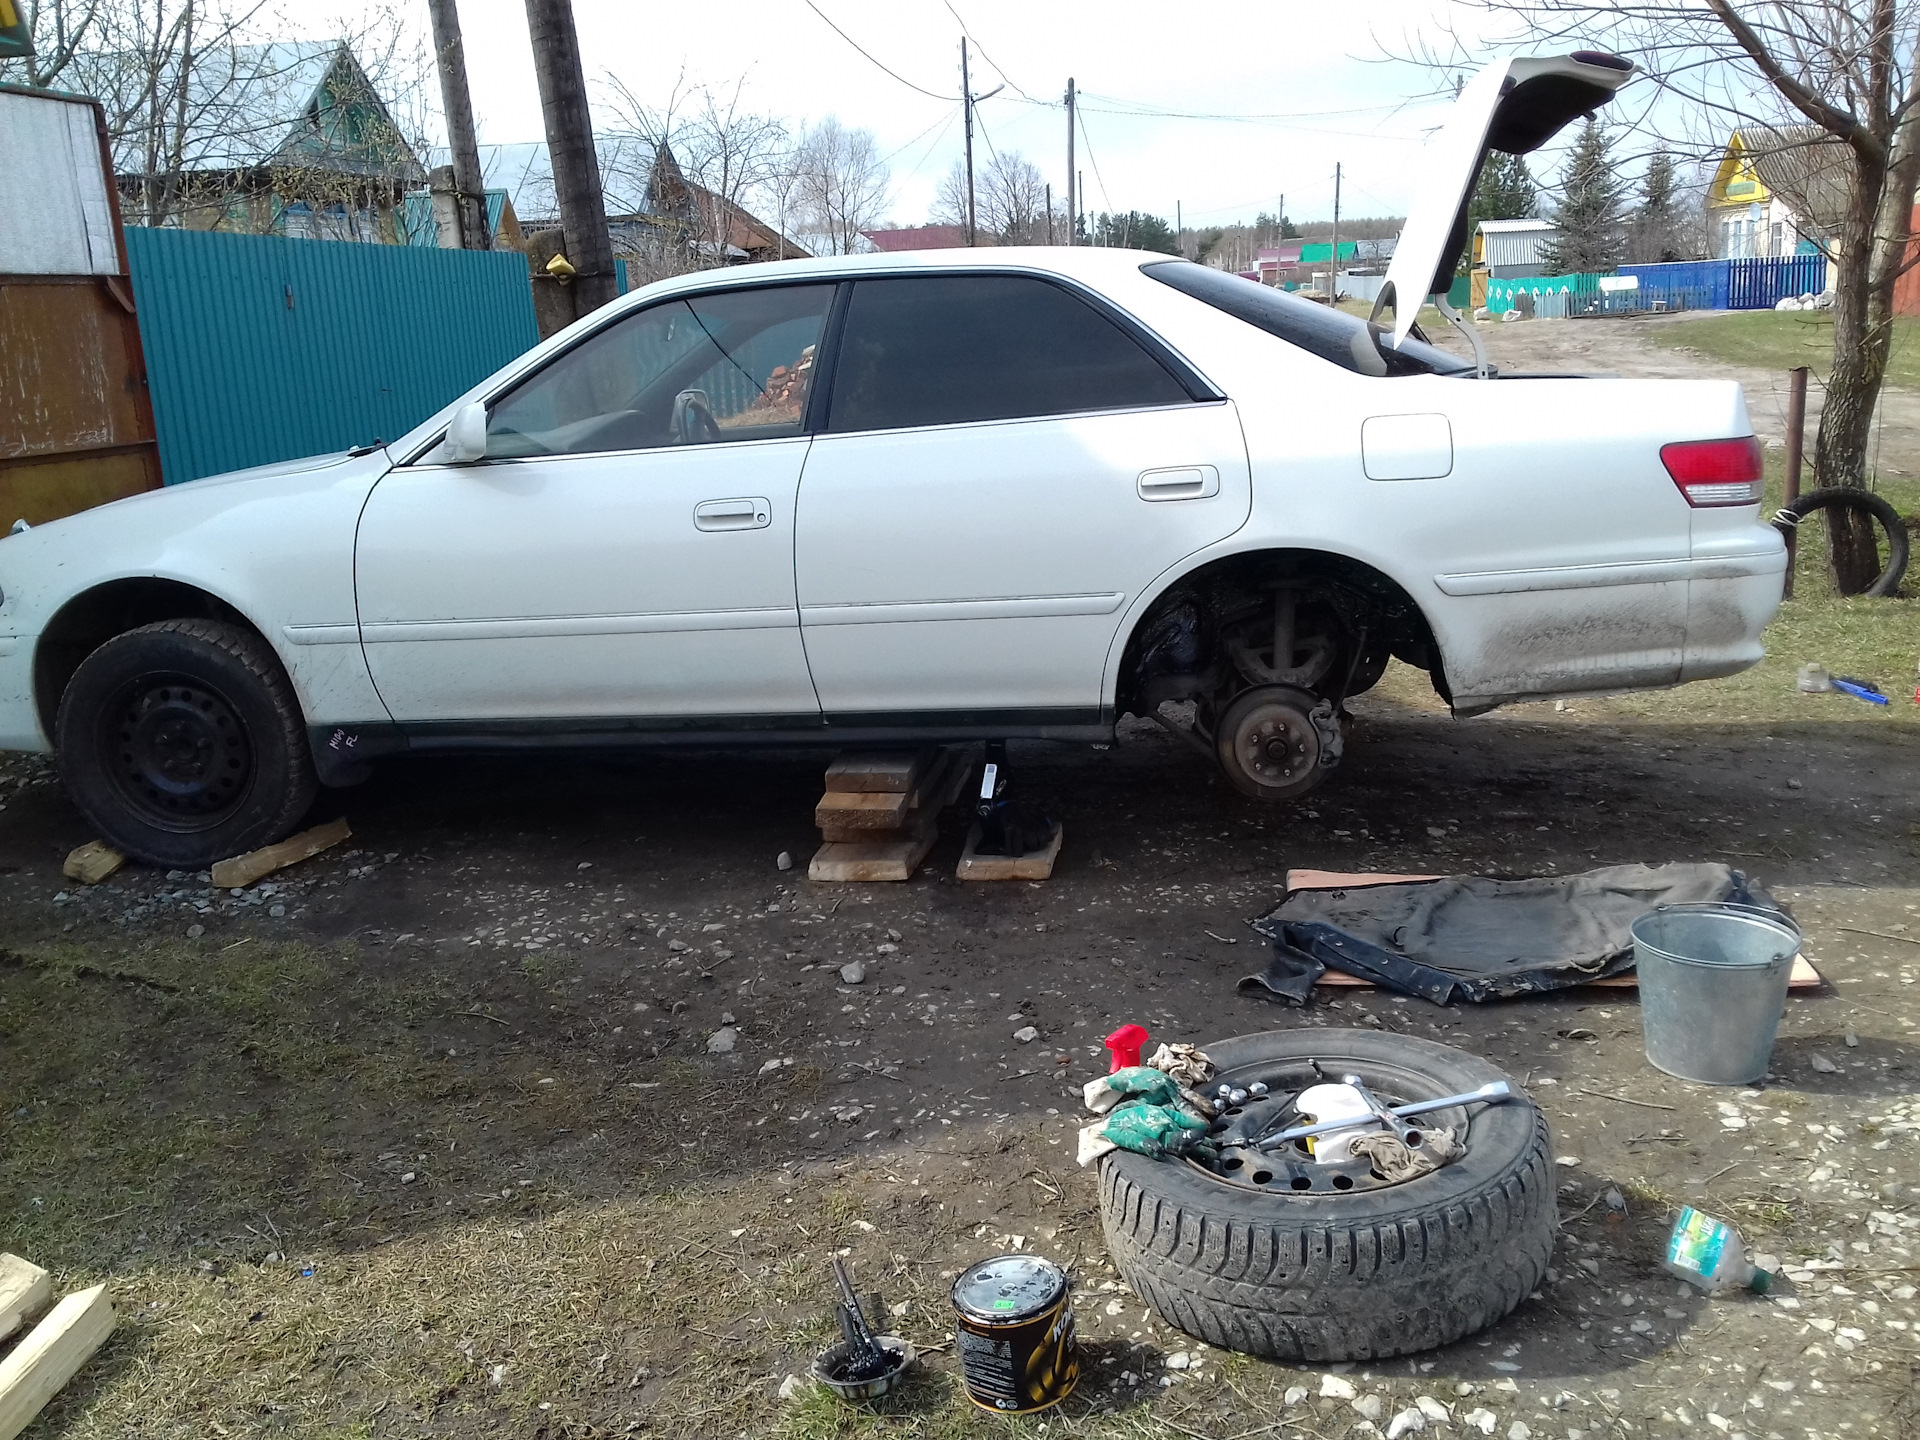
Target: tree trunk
1862 335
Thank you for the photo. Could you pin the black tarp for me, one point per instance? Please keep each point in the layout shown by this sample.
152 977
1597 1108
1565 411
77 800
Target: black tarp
1464 937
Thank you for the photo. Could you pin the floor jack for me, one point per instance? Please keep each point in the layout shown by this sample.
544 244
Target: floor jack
1011 839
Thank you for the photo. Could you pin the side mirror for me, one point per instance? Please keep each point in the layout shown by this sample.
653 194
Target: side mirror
467 435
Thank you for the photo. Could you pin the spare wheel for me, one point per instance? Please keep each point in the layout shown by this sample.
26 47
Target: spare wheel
1288 1267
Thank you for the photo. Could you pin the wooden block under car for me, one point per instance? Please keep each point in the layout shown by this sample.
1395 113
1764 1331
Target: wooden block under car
938 786
243 870
1034 865
872 860
92 862
861 809
25 1290
888 770
49 1356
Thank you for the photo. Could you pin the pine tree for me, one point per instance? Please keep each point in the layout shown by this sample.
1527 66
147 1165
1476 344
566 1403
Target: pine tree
1504 191
1656 224
1591 214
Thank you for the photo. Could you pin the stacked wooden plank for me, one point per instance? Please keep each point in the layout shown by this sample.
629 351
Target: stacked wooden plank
880 814
47 1356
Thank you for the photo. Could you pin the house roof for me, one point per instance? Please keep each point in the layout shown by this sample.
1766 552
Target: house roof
1805 166
921 237
277 104
525 171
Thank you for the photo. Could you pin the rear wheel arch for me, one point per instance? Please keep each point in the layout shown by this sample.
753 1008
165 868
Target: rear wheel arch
1175 634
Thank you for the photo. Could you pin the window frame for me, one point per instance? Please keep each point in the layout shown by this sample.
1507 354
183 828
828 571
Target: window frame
840 285
1200 390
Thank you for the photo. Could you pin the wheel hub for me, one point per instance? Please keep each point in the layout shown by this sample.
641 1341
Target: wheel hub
181 753
1278 746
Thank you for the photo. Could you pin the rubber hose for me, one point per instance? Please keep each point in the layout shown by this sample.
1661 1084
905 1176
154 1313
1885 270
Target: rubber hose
1846 497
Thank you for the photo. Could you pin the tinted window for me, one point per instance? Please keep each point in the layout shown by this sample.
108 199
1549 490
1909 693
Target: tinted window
1332 334
939 349
729 366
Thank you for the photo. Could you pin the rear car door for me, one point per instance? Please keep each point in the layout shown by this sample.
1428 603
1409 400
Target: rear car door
1006 462
625 549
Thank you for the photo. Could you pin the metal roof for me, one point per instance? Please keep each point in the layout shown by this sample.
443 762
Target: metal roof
525 171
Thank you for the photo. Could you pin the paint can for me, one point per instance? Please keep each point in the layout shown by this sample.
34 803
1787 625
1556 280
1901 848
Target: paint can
1015 1334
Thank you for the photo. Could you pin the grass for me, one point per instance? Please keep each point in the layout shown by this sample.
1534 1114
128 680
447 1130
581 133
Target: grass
1783 339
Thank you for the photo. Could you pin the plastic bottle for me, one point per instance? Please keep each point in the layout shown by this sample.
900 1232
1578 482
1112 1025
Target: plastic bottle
1707 1252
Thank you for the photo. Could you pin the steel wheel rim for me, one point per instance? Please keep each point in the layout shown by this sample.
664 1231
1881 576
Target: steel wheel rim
178 752
1278 1173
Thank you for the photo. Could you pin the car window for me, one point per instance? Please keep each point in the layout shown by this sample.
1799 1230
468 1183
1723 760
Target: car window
734 365
940 349
1346 340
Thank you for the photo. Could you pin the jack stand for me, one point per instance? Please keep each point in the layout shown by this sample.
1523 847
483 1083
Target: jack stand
1011 839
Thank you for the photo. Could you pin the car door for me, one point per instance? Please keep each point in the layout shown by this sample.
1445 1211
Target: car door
1005 464
624 552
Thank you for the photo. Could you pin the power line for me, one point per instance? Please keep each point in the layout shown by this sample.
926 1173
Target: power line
857 46
988 58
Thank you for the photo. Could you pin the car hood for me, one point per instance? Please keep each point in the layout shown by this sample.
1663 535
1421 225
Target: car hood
1514 106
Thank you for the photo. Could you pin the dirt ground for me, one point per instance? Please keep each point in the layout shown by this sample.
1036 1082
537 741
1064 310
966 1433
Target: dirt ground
429 1136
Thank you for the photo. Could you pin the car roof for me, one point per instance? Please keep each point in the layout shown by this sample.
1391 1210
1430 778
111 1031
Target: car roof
1091 264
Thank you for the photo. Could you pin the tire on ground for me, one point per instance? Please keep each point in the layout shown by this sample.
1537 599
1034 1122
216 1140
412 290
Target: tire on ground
228 661
1875 508
1356 1276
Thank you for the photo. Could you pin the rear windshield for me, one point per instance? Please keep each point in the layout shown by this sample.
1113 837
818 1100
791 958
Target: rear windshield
1346 340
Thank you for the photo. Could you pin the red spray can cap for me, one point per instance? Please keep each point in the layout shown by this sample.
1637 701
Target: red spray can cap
1125 1044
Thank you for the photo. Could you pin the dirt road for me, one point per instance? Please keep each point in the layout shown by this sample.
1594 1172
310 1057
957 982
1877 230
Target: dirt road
1626 346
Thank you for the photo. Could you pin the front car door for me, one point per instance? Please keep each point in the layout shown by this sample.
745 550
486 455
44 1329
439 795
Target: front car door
624 553
1005 464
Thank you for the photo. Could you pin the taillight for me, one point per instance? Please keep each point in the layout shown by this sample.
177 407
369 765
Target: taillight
1715 472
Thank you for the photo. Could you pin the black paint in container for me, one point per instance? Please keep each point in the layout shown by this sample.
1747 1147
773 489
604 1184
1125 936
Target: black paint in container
1017 1350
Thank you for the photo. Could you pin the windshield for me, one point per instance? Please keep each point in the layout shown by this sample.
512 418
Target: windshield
1332 334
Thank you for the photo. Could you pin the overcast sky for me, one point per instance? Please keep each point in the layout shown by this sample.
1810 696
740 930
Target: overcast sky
1314 75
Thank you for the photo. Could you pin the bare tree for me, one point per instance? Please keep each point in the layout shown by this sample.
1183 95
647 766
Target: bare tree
1010 195
840 186
1826 95
734 157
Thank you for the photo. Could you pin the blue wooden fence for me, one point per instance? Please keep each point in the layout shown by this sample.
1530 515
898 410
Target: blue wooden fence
1726 284
261 349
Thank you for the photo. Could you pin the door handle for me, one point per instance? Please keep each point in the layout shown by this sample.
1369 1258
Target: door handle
750 513
1191 482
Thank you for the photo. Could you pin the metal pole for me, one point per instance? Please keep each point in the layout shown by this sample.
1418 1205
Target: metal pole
1796 443
1049 212
1073 194
576 169
966 99
457 102
1179 231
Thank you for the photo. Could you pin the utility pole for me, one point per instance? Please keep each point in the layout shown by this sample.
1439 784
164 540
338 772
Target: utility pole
1333 266
457 102
1179 231
966 101
1081 182
1073 195
576 169
1049 212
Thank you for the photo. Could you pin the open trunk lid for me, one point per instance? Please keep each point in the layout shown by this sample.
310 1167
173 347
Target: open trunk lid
1514 106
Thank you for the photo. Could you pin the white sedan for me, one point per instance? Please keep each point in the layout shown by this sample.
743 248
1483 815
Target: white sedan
903 498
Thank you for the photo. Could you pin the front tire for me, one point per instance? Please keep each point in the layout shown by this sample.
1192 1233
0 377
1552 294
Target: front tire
183 744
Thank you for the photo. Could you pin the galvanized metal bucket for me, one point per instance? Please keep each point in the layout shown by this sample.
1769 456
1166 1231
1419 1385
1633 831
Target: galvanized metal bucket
1713 985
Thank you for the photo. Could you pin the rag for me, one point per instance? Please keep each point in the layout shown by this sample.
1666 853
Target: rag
1186 1063
1394 1161
1136 1084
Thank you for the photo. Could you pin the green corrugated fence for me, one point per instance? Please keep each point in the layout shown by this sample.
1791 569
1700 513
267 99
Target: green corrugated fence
1554 296
261 349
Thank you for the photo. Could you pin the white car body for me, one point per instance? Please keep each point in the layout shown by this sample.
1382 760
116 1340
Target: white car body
965 579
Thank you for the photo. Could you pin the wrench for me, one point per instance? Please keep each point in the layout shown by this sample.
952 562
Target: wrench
1491 1094
1409 1135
